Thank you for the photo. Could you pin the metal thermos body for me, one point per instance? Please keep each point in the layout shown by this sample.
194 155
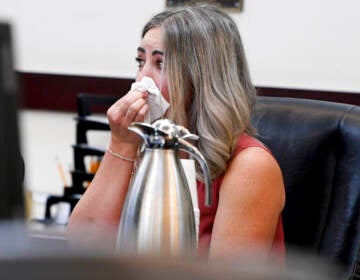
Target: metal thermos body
157 216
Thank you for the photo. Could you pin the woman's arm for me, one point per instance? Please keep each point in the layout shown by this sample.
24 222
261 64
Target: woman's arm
251 199
96 216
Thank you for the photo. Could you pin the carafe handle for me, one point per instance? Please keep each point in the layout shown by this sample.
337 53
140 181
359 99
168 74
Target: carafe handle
187 147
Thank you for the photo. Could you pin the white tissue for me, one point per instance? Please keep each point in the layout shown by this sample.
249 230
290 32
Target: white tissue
157 103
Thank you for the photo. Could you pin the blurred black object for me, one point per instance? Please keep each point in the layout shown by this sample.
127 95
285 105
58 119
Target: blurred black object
11 163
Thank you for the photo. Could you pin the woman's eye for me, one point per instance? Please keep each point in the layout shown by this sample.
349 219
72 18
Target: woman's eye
160 63
140 61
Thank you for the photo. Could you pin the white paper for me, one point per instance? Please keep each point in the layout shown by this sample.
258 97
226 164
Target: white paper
157 103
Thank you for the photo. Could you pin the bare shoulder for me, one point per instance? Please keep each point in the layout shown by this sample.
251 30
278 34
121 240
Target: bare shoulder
251 199
255 159
255 173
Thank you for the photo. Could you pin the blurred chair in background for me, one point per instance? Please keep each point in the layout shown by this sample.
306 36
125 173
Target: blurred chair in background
85 122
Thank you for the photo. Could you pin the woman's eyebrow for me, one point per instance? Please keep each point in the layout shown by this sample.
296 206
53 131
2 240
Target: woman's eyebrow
154 52
140 49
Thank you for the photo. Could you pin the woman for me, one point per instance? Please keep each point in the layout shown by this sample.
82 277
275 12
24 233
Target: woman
195 56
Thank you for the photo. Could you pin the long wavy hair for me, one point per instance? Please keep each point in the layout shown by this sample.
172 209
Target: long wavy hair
209 83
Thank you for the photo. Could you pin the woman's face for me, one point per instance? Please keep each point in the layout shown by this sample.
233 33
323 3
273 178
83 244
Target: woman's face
150 58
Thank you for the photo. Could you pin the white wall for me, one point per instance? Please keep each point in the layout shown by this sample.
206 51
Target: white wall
303 44
97 37
47 138
46 142
295 44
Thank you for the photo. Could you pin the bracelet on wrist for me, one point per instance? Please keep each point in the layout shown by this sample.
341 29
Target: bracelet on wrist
117 155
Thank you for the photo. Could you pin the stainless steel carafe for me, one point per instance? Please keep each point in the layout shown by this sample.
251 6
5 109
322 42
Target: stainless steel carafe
157 216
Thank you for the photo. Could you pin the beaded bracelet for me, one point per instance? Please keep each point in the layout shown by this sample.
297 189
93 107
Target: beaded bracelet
119 156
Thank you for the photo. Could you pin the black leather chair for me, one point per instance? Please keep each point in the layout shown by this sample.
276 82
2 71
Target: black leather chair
317 145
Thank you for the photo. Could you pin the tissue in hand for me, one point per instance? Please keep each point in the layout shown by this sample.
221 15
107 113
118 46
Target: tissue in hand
157 103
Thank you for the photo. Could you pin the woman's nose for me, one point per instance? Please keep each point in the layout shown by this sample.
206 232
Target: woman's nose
145 71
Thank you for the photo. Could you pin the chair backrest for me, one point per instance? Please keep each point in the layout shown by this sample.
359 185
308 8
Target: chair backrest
87 104
317 145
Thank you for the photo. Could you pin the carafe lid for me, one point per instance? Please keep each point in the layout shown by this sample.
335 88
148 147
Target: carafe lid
165 134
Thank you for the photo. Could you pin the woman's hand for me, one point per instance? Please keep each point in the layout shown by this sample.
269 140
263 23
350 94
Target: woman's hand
96 216
130 108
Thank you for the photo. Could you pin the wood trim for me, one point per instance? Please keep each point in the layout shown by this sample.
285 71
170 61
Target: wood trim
58 92
334 96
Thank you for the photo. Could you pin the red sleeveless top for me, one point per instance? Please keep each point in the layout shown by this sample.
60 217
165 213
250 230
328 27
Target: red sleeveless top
207 214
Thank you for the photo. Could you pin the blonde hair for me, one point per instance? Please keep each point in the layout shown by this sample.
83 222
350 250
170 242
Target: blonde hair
209 83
